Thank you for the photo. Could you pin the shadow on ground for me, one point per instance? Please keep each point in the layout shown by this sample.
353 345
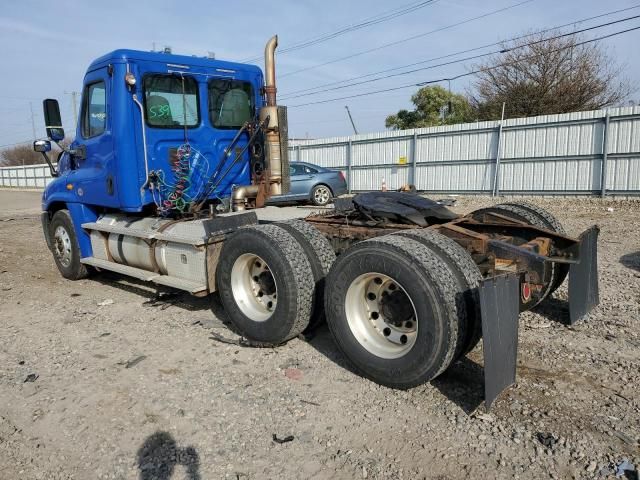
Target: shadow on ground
554 309
156 296
462 383
631 260
159 455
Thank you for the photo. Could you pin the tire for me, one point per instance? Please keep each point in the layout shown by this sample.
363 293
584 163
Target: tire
548 221
468 278
321 195
320 255
65 247
423 299
266 284
547 218
511 211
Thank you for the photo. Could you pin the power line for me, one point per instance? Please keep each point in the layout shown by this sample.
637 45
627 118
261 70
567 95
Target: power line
466 59
367 22
284 96
397 42
475 72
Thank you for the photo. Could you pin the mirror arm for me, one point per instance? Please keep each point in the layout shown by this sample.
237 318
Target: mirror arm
52 169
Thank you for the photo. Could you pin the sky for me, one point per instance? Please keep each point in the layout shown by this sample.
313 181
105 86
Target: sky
47 47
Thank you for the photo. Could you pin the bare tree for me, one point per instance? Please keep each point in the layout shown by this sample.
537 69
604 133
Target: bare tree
23 154
542 74
20 155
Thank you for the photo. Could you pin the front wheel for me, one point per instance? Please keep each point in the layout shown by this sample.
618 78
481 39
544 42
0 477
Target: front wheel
321 195
65 248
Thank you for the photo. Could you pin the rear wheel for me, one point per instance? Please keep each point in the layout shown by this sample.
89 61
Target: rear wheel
321 195
391 308
265 283
544 219
320 255
468 279
524 212
65 248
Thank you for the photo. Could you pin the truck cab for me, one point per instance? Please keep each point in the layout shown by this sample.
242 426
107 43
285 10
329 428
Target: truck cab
158 134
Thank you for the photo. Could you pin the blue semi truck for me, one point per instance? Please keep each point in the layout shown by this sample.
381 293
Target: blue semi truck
173 155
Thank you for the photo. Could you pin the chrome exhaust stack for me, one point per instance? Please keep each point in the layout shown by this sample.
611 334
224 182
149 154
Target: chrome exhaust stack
274 180
276 138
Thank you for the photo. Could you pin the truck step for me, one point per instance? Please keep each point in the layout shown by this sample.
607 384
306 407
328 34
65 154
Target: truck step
145 234
166 280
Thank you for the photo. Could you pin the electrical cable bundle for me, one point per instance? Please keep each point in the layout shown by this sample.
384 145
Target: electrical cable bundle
189 169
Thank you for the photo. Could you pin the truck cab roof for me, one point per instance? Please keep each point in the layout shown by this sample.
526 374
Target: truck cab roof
126 55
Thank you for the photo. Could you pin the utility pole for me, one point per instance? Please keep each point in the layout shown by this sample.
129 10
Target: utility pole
33 126
351 118
74 104
33 122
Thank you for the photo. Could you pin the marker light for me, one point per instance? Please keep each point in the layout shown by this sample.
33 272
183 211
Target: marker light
130 79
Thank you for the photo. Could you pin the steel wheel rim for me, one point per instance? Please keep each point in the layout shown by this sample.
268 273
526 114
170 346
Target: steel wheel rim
62 246
370 306
322 195
254 287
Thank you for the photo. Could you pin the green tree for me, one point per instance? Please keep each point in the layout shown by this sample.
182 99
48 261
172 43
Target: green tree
428 102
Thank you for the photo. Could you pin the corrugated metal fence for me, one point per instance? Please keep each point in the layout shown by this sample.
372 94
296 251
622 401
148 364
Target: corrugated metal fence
31 176
587 153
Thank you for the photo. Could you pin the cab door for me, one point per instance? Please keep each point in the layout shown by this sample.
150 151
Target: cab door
94 178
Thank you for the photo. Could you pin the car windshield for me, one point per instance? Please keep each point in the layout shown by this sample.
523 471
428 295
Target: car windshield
231 103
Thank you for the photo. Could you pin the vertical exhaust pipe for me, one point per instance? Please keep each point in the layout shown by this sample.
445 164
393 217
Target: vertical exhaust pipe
276 178
276 130
270 70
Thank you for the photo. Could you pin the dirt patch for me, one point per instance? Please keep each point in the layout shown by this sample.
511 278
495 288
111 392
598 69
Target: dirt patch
139 388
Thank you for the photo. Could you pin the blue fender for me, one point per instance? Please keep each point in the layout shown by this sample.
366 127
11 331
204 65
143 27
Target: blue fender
57 193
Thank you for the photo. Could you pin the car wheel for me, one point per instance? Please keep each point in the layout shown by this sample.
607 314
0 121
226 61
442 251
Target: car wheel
321 195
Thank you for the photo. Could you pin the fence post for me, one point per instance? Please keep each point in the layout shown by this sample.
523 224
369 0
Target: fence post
414 158
496 176
349 153
605 153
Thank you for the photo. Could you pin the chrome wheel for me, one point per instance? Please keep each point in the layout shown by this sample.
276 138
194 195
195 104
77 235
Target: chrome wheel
321 195
62 246
381 315
254 288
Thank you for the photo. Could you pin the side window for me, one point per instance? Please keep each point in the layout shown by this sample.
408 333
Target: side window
309 170
94 110
296 169
171 101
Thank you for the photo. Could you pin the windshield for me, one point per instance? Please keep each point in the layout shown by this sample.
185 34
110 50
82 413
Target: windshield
231 103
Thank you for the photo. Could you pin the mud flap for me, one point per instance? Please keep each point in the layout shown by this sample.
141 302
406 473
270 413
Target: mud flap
499 307
584 293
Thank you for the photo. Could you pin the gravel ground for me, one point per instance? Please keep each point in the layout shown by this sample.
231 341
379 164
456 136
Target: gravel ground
101 380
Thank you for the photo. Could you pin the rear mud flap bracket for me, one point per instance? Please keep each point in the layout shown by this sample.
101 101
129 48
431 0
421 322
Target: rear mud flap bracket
499 306
584 293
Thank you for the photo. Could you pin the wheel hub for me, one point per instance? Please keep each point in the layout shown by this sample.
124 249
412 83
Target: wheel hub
381 315
62 246
254 288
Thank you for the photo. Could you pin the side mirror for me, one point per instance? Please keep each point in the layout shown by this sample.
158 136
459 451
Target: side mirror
42 146
52 120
